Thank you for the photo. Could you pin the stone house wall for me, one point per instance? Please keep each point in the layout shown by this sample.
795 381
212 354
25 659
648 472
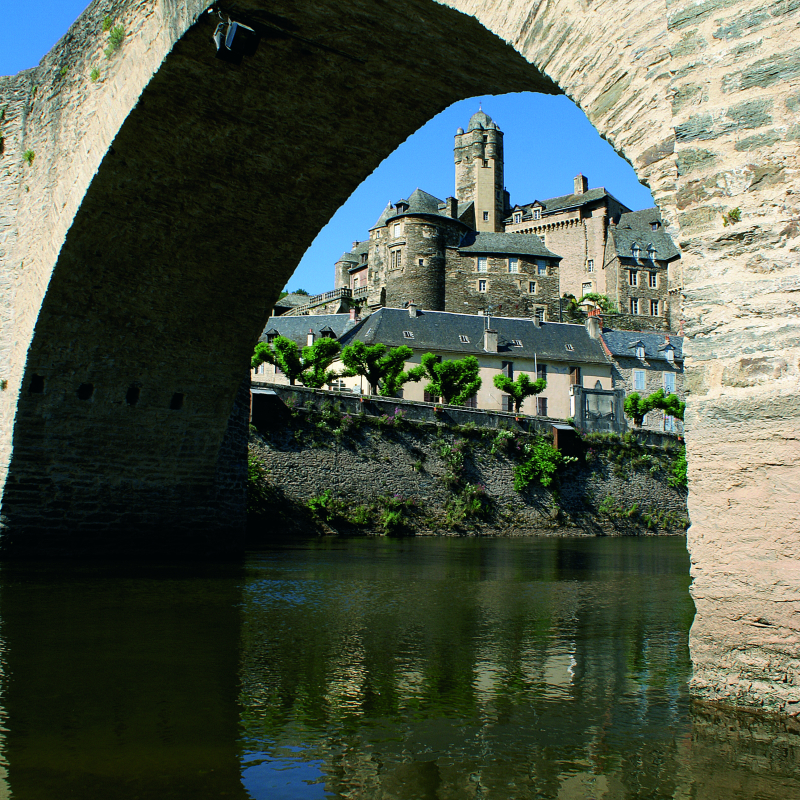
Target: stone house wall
508 293
622 372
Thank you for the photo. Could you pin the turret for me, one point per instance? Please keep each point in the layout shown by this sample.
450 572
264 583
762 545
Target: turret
478 157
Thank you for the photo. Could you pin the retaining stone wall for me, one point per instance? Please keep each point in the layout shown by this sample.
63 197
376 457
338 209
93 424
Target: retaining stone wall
378 462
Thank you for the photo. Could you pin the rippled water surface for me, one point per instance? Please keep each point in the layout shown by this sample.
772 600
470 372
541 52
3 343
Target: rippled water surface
436 669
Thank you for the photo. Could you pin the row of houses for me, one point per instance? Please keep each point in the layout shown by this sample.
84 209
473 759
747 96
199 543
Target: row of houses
588 368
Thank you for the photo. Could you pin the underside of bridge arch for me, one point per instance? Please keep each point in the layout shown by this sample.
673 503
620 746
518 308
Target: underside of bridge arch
170 199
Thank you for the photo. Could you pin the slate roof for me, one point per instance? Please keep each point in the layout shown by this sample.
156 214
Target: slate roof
439 331
623 343
523 244
419 202
385 214
635 227
296 328
565 201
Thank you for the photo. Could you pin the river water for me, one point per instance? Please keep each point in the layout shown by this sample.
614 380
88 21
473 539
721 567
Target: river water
388 669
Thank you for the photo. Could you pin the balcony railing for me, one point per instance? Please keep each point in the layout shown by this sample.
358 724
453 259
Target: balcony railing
319 299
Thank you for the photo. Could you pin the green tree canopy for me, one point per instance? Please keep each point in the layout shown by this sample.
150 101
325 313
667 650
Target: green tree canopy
455 381
381 367
602 300
283 353
636 407
521 388
317 358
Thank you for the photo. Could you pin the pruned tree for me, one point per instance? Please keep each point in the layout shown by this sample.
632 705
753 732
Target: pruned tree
317 359
521 388
283 353
455 381
668 403
637 407
381 367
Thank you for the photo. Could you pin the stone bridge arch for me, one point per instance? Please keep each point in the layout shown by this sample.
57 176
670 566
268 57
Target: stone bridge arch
168 201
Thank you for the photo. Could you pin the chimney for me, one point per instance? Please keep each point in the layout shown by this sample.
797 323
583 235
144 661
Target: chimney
310 337
537 323
412 309
355 244
451 207
490 341
594 323
353 315
581 184
666 340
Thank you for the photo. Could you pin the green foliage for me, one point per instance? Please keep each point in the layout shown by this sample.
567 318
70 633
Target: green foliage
322 507
62 72
114 39
392 512
3 112
29 155
454 457
107 23
636 407
503 441
732 217
300 291
602 300
94 74
455 381
540 463
521 388
382 368
472 503
317 358
282 352
678 479
256 485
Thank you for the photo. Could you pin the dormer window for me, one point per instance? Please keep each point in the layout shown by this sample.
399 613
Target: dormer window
537 213
651 251
640 352
635 252
463 339
654 226
570 348
517 219
408 335
669 354
516 343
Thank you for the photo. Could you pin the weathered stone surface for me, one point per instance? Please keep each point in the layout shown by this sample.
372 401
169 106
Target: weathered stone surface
162 193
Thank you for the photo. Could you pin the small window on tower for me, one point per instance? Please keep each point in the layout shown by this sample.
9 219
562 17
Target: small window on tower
421 262
485 216
590 265
532 287
485 163
481 286
396 230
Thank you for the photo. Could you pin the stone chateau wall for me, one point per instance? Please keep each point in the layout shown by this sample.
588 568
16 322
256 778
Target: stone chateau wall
373 463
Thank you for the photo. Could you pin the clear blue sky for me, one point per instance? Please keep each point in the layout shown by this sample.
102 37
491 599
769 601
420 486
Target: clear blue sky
548 141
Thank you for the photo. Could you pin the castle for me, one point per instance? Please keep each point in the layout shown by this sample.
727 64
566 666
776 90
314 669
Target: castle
476 252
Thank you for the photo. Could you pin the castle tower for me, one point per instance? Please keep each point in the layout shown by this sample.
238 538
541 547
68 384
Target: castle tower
479 171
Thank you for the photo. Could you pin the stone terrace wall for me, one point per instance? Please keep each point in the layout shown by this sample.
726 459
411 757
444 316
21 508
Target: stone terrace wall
363 460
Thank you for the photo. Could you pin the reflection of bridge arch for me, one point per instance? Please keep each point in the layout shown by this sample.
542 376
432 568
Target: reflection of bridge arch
167 202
